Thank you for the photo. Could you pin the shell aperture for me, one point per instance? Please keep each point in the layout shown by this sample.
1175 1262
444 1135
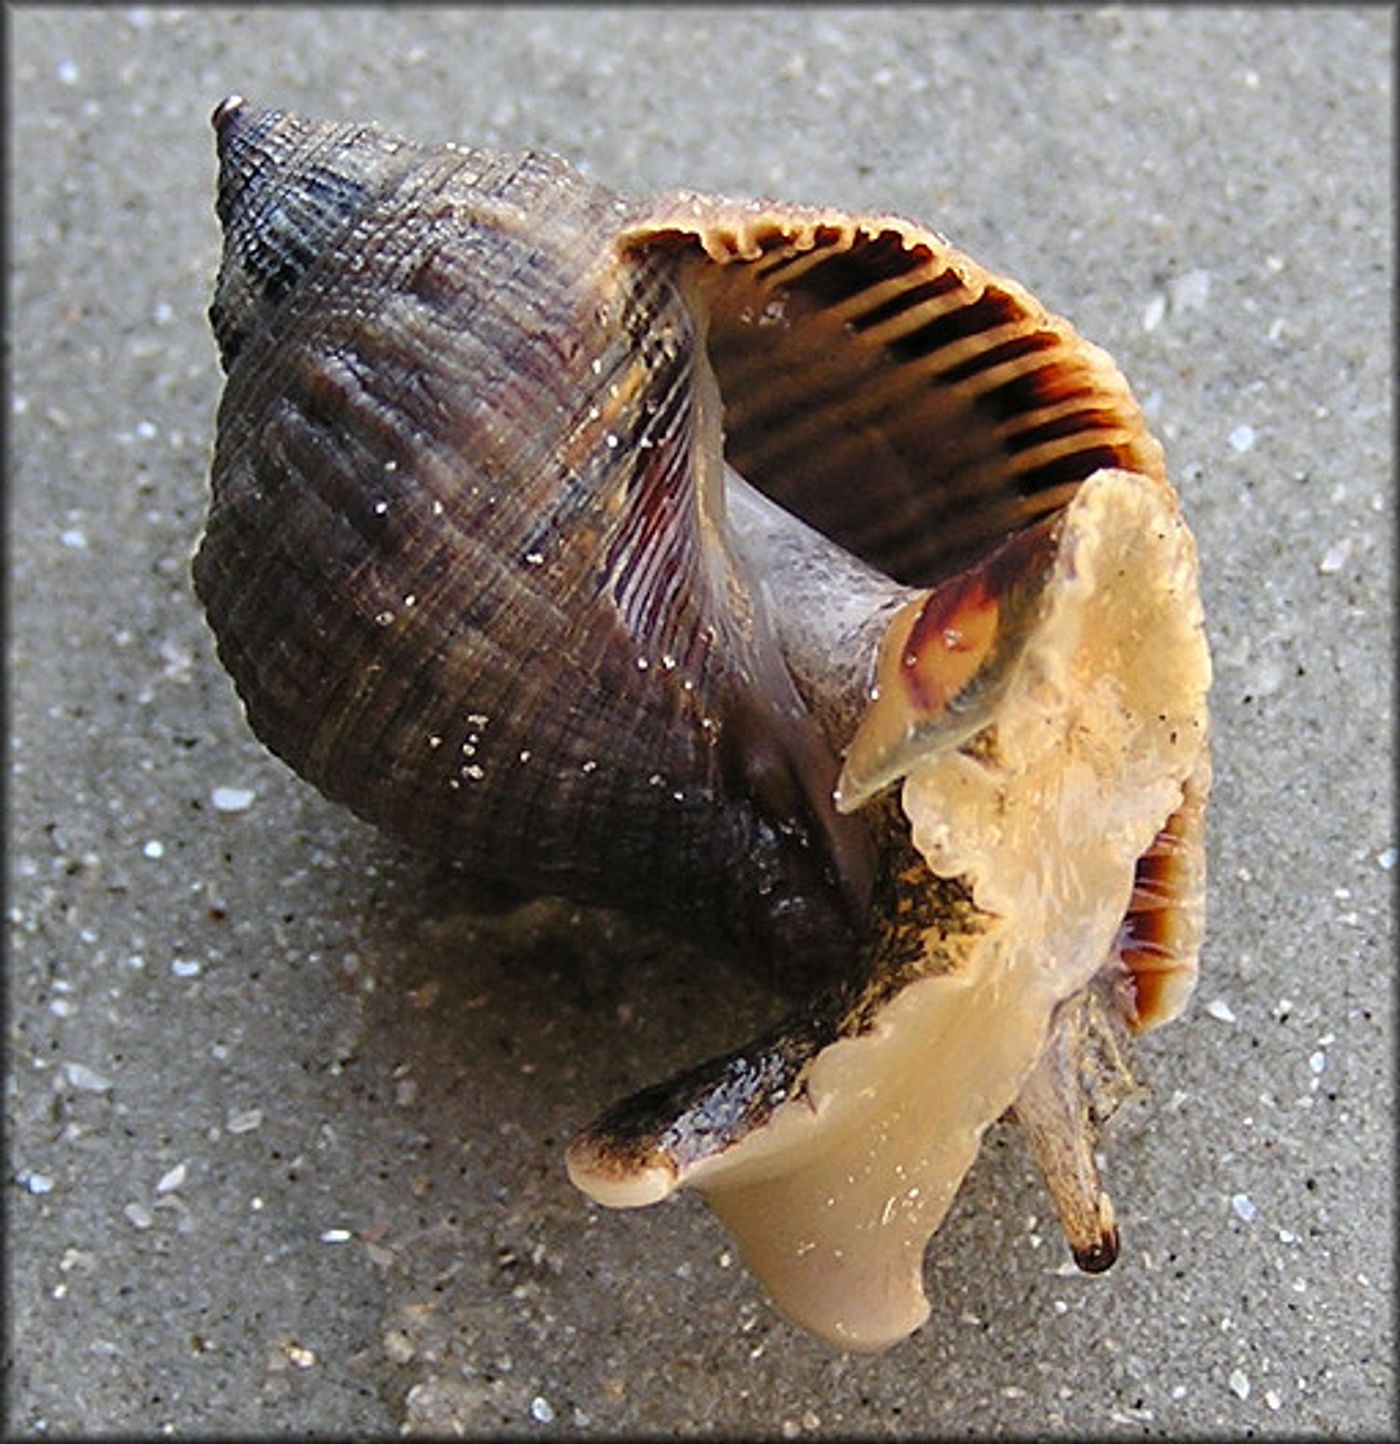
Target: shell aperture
778 574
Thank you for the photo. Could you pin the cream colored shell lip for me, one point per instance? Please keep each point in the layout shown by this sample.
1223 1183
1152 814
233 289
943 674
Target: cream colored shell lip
776 573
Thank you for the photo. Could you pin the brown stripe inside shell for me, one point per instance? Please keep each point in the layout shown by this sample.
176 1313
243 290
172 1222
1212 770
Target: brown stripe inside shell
1160 938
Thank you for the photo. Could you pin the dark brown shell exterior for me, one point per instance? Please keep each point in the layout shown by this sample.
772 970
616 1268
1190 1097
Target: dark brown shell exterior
456 559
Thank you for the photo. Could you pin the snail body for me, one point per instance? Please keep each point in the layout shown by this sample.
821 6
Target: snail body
774 573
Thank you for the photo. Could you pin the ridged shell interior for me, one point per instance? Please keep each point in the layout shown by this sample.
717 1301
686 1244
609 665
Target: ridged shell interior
886 388
1161 934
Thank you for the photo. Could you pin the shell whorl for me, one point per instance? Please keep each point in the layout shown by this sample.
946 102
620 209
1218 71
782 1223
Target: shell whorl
456 560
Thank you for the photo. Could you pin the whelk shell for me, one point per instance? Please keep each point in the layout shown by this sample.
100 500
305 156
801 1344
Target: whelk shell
772 571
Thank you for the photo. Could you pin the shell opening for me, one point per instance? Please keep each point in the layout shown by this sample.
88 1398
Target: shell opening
889 391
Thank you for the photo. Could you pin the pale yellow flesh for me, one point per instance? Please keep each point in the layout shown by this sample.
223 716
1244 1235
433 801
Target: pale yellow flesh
833 1200
832 1207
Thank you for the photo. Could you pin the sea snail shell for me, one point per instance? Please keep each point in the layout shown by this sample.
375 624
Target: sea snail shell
504 553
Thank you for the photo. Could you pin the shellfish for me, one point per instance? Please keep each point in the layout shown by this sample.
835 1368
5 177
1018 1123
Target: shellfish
775 572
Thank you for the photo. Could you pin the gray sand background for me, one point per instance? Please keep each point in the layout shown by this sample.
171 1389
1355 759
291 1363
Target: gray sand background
285 1126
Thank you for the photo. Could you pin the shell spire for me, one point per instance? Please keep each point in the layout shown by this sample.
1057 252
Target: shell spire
287 188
